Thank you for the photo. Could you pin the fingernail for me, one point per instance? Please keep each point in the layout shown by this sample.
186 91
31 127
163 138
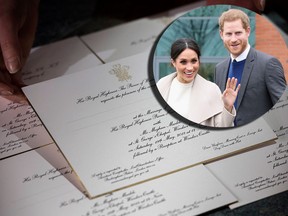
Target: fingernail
14 65
6 93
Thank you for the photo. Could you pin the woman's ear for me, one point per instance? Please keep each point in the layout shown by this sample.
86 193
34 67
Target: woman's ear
172 62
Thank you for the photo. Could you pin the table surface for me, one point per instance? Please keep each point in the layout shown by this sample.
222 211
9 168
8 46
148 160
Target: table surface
61 19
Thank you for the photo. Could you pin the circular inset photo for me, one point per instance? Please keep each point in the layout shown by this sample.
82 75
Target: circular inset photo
218 66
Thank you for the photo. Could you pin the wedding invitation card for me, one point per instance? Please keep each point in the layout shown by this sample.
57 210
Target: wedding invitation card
40 182
114 133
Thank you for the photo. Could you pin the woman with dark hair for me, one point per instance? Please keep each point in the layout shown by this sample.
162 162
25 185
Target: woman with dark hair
192 96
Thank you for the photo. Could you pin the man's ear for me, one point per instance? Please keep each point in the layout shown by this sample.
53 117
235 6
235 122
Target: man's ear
221 34
248 30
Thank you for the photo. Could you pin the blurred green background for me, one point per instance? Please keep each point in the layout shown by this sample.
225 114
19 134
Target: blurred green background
201 24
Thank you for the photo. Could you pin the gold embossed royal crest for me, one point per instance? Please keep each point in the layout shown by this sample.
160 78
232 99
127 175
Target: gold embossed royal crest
121 72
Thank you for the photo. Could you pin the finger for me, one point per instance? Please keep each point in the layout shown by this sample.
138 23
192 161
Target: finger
238 88
228 82
6 88
10 83
234 83
16 79
18 97
9 43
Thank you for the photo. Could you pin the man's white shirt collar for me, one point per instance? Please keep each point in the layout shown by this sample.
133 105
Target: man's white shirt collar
243 55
